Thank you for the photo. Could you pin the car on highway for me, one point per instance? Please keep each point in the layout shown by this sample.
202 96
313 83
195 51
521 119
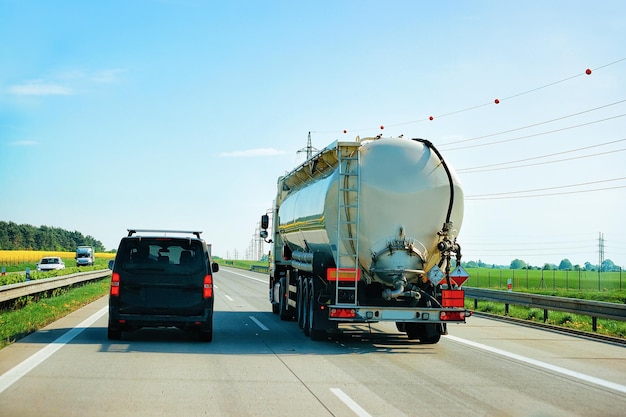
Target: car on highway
162 278
50 263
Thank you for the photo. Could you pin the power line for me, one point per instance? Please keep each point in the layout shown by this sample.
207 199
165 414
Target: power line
542 156
509 194
533 125
537 134
495 101
474 170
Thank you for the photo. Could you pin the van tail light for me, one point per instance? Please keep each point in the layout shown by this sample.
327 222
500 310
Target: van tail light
115 284
208 286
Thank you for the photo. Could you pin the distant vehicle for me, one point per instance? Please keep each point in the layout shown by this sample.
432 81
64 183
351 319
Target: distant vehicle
85 256
50 263
159 280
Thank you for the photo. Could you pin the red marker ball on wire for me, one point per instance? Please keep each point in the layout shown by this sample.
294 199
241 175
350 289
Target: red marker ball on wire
382 127
431 118
588 71
497 101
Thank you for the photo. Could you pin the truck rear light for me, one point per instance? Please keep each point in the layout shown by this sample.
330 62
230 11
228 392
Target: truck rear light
343 313
453 298
452 316
208 286
343 274
115 284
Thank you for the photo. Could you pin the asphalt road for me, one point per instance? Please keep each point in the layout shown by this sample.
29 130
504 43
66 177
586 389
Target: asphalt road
258 365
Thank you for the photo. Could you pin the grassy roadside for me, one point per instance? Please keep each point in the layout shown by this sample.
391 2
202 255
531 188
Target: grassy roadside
16 273
556 318
35 314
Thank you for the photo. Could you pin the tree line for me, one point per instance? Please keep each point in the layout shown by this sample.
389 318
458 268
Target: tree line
565 265
27 237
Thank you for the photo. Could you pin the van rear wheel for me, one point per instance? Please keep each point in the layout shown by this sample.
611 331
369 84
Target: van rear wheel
205 336
114 334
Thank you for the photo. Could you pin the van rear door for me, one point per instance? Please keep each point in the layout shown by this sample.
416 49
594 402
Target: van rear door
162 276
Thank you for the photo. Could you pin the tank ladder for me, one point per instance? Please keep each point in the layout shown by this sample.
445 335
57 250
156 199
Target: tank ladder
347 258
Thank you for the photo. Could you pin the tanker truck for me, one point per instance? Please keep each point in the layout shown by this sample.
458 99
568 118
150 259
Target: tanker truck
365 231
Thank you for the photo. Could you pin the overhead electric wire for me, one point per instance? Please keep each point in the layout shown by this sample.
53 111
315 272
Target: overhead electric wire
485 169
496 101
542 156
532 125
510 194
537 134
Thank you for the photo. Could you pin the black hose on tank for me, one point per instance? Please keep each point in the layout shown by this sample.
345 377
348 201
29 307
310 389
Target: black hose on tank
445 166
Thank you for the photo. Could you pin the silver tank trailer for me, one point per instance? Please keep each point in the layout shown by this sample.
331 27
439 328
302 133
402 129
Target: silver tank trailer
405 195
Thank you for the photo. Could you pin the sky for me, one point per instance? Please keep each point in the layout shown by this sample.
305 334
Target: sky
182 114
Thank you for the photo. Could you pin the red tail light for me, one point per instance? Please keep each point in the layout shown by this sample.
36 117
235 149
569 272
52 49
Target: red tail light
208 286
343 313
452 315
115 284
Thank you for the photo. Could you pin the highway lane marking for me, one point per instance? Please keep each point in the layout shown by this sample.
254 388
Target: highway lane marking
574 374
229 297
358 410
245 276
14 374
258 323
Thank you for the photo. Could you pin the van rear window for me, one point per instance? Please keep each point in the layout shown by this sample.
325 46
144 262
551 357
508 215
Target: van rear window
171 255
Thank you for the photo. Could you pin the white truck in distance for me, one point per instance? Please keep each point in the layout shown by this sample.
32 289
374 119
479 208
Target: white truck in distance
85 256
364 232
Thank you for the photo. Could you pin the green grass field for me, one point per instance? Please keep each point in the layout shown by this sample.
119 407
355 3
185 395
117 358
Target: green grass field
522 279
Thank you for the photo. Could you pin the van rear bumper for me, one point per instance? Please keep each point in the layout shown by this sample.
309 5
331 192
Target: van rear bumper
203 322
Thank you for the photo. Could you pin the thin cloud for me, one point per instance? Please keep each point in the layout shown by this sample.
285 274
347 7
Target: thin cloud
252 153
39 88
108 76
24 143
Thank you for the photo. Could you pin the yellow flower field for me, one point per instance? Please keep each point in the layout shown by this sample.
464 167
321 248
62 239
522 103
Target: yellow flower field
10 257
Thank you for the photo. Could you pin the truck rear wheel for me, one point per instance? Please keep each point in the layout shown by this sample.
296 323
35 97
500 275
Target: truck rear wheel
283 309
313 323
428 334
300 304
305 307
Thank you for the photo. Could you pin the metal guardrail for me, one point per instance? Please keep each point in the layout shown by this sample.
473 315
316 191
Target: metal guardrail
259 268
594 309
22 289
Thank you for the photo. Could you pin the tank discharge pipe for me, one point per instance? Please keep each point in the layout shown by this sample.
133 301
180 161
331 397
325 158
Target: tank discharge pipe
398 291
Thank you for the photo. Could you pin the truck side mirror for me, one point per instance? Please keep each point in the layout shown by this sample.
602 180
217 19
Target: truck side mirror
265 221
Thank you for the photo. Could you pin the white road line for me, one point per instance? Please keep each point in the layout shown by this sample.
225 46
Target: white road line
578 375
229 297
14 374
258 323
358 410
245 276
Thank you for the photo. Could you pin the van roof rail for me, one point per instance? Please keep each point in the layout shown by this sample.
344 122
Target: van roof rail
133 231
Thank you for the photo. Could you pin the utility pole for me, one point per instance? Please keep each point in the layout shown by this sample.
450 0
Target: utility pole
309 148
600 256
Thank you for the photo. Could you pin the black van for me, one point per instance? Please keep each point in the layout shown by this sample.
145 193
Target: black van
162 278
